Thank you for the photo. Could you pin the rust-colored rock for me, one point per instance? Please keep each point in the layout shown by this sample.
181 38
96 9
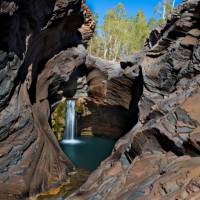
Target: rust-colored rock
156 91
40 48
159 157
113 94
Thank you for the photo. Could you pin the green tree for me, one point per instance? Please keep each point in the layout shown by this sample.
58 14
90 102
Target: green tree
119 34
153 23
140 31
114 32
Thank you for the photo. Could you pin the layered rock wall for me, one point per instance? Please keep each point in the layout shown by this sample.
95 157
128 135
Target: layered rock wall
159 157
42 56
111 107
41 46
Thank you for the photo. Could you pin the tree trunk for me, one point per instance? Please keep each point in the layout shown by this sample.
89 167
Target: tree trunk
173 4
164 10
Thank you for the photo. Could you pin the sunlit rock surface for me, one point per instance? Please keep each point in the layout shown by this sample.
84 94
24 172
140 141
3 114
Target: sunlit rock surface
159 157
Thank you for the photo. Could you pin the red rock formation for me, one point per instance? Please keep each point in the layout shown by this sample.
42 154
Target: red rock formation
42 55
150 162
111 106
40 49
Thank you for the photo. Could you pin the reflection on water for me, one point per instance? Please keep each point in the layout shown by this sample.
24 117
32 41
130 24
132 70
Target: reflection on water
88 152
72 141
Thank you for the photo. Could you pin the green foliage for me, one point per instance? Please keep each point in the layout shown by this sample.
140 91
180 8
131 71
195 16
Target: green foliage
120 34
58 120
153 23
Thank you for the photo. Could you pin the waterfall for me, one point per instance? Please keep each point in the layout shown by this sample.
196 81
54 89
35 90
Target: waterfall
69 133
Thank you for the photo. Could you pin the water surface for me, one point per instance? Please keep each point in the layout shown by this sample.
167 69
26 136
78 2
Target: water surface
88 152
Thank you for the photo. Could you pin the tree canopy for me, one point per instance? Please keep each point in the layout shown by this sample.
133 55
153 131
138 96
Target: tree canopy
121 34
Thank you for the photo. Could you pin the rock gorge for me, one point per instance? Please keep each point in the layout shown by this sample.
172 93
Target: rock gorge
149 99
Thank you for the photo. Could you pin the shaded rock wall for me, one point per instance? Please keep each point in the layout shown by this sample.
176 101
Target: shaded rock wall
159 157
113 94
41 47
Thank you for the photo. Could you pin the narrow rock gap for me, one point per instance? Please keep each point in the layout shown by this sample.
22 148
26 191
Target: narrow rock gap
167 144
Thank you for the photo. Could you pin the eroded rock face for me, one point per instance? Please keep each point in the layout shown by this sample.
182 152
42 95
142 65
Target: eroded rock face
159 157
41 58
41 47
113 93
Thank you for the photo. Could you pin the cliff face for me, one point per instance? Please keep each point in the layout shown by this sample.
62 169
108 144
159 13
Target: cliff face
159 157
42 56
111 108
41 44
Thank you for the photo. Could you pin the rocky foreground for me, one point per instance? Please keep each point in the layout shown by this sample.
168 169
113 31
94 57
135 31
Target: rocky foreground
153 95
159 157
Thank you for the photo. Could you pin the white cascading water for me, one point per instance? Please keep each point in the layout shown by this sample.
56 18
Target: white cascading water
69 133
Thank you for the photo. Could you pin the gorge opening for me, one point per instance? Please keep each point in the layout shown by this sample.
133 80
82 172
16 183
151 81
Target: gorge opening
86 151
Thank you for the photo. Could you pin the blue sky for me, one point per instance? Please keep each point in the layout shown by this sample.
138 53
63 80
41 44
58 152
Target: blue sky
101 6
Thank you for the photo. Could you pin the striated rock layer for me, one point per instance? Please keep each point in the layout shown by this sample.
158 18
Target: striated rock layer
160 157
111 108
43 56
42 45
